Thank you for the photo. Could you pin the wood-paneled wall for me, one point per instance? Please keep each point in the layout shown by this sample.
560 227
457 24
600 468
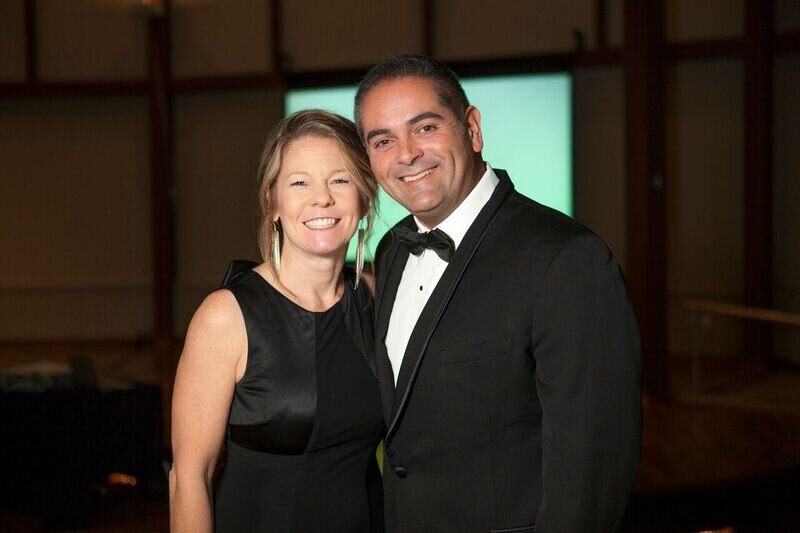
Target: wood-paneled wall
75 199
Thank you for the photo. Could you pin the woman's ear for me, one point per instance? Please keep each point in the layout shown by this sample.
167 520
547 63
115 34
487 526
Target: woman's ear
269 205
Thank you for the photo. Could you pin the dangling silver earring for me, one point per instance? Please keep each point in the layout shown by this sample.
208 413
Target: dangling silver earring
276 248
359 254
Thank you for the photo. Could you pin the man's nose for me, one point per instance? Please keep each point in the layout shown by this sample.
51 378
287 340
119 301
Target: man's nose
409 152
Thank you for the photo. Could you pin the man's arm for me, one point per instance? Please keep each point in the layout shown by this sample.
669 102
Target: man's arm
588 375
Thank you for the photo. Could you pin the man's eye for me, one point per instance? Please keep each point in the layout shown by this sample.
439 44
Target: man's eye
427 128
383 143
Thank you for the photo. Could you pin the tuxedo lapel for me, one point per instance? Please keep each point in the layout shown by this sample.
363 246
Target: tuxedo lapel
437 303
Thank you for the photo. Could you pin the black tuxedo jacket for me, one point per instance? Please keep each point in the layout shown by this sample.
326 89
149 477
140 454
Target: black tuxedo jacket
517 406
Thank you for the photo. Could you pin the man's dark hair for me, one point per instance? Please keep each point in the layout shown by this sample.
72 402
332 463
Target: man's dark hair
444 80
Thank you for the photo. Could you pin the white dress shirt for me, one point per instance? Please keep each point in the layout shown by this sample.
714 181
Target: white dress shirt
423 271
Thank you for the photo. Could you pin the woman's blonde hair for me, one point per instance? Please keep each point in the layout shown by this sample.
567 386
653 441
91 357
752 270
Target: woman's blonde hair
321 124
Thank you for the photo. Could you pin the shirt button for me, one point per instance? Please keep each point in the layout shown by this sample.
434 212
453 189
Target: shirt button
401 471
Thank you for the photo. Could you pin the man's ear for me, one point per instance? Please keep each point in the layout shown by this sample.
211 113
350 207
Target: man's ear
473 124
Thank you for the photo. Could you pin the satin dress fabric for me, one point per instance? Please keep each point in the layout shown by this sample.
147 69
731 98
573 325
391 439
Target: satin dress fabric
305 419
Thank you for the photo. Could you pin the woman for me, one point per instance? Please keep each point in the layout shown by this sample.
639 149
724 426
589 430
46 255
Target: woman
278 363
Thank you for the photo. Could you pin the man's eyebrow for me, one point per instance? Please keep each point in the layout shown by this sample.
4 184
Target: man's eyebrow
425 116
376 132
413 120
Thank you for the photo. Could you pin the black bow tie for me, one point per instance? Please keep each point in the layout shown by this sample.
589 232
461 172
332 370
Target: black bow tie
436 240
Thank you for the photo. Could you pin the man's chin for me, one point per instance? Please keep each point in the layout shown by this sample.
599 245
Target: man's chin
430 217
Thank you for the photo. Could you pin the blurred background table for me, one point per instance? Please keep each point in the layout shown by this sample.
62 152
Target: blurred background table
62 448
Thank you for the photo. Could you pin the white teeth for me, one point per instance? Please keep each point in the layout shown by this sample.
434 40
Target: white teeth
415 177
320 223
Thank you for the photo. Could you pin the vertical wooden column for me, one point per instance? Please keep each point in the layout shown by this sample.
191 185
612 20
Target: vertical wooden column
428 22
600 18
163 248
757 251
31 41
276 48
645 183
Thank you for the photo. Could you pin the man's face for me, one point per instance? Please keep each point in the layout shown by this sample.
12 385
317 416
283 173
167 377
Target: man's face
420 152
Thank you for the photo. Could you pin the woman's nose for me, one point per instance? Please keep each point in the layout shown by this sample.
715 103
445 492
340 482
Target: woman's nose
322 196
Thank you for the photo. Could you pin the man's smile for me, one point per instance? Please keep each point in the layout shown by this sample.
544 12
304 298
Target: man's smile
416 177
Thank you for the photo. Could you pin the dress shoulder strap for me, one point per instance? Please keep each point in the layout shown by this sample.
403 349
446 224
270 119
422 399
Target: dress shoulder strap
235 271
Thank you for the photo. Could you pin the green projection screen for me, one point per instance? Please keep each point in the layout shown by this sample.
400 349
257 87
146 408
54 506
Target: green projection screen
526 122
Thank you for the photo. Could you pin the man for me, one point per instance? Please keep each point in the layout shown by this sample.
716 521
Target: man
510 369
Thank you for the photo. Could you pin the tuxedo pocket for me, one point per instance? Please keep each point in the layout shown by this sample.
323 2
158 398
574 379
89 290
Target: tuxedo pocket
477 351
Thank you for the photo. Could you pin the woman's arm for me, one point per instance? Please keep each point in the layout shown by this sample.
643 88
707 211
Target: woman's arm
213 358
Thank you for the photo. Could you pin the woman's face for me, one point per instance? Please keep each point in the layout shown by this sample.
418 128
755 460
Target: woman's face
316 199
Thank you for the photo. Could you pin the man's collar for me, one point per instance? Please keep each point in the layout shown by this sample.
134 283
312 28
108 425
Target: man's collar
459 221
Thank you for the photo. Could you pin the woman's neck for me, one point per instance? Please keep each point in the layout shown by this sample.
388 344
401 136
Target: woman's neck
314 283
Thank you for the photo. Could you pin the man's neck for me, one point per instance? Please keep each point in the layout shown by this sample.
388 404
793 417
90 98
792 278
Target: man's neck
458 222
427 224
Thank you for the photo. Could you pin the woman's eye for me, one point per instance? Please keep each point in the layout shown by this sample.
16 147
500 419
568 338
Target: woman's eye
297 183
340 180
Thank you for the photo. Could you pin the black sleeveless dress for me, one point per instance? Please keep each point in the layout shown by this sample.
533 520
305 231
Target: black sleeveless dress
305 419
